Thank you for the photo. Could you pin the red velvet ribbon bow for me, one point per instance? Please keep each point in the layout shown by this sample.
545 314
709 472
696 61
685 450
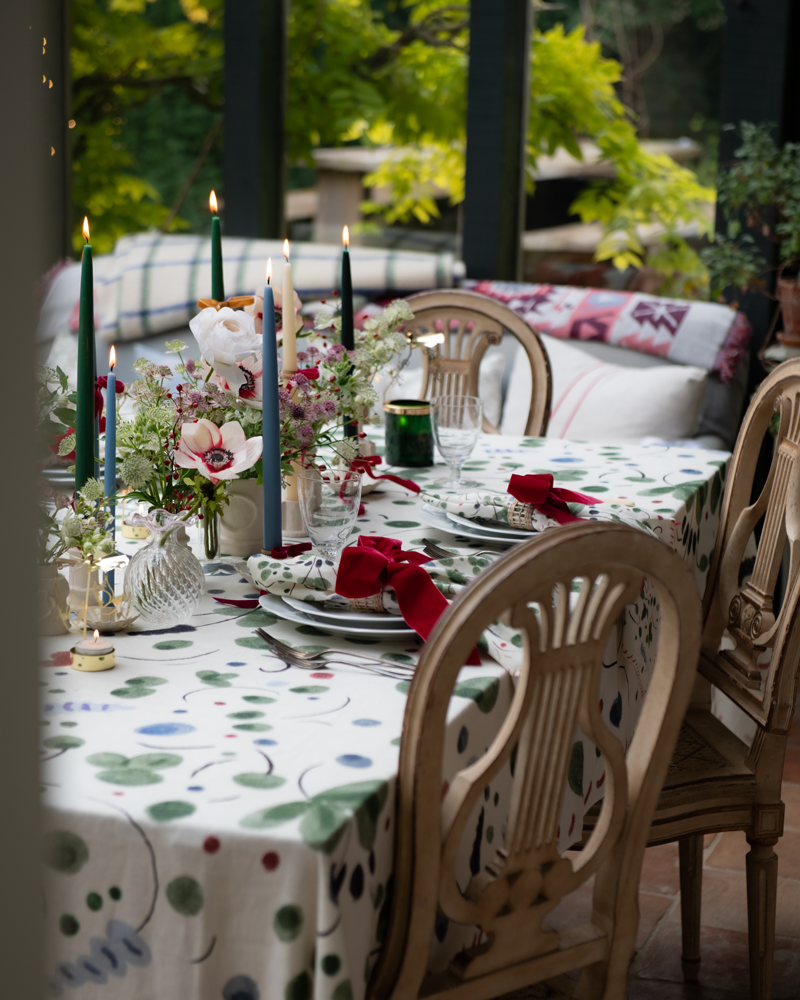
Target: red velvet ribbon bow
365 464
374 563
538 490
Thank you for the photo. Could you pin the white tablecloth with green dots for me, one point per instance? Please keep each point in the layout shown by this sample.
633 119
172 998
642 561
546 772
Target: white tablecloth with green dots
219 826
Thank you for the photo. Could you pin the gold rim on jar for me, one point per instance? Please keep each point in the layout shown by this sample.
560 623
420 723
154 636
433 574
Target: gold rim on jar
408 407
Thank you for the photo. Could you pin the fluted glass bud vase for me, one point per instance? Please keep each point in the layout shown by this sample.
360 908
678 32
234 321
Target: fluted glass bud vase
164 581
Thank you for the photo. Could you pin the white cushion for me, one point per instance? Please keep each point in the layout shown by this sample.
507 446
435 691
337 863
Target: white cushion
596 401
490 385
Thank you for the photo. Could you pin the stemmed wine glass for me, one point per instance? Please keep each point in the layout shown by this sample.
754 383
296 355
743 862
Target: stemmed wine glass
329 503
456 422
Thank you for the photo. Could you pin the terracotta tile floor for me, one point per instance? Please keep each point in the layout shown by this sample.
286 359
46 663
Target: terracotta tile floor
656 969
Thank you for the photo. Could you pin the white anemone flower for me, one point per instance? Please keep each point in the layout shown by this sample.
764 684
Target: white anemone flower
225 338
217 452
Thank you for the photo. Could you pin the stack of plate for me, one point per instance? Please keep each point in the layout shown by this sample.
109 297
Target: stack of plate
458 524
339 621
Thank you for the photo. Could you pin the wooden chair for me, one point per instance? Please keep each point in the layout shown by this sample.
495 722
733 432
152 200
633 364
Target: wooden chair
715 781
558 689
474 323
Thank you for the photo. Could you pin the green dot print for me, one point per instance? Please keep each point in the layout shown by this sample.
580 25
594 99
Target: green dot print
115 892
331 964
245 715
94 901
288 922
299 988
68 925
173 644
185 895
163 812
259 780
65 852
343 991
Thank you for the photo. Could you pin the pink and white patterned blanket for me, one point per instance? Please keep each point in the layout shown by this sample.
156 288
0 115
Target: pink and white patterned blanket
704 334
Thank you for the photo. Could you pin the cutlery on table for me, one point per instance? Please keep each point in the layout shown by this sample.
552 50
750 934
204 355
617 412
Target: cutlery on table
301 658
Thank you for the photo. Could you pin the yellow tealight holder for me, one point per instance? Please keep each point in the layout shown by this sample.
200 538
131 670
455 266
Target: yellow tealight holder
93 655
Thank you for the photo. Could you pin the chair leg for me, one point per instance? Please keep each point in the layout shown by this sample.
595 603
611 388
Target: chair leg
762 885
690 855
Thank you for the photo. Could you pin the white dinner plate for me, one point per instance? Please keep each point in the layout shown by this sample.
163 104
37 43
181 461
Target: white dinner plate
435 517
276 606
345 616
501 532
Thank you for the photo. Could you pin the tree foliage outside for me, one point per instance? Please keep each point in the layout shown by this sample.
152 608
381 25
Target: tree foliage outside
390 72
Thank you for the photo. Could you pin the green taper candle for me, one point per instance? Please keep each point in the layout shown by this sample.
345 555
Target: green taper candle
217 280
84 427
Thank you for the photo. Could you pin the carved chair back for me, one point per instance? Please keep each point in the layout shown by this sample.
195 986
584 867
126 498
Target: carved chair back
747 609
564 591
467 324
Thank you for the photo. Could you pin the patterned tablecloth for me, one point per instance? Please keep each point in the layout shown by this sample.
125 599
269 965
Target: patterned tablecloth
220 826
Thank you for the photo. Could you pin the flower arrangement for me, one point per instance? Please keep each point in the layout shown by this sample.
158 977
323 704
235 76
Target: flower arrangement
197 424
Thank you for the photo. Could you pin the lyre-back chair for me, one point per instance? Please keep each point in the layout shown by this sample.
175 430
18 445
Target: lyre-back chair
716 782
564 639
471 323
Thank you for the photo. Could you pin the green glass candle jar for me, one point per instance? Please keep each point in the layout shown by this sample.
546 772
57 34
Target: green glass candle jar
409 439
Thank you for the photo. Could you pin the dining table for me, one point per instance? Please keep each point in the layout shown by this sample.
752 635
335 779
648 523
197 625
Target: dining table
219 823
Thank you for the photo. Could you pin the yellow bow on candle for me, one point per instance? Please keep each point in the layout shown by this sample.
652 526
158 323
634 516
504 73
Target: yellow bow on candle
234 302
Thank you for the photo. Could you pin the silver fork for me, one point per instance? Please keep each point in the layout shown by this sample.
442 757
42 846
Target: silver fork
430 548
301 658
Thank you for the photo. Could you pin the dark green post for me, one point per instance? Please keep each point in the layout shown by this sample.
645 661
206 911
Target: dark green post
497 127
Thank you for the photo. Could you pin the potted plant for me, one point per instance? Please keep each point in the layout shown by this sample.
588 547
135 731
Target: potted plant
761 194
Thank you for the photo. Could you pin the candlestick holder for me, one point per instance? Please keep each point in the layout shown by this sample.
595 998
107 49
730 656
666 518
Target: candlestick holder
292 520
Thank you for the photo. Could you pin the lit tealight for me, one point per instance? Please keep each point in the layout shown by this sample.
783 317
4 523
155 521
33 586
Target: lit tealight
92 655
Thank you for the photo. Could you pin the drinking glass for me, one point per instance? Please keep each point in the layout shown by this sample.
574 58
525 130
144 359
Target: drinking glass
329 502
456 424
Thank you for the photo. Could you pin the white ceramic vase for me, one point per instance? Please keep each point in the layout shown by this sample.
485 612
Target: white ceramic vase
241 523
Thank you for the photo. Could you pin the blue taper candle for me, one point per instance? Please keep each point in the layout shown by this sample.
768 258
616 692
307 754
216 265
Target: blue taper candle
270 426
110 469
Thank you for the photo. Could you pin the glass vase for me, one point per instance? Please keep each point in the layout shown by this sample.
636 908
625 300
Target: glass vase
164 580
209 535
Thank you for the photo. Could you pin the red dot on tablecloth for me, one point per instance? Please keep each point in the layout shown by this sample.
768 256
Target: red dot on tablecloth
211 845
220 703
62 659
270 861
118 793
230 736
322 677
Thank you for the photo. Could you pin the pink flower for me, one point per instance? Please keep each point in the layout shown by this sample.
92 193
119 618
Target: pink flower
250 390
217 452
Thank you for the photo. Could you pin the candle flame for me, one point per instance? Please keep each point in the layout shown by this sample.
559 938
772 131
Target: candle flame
286 249
86 228
269 270
346 236
96 634
212 202
112 358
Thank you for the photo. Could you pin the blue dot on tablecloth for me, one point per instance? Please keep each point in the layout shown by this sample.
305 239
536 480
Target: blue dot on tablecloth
694 472
463 739
166 729
180 711
566 460
252 597
266 743
236 663
277 684
366 722
215 591
195 788
354 760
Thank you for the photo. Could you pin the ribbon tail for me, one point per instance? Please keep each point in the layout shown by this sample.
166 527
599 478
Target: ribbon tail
558 510
422 604
245 603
